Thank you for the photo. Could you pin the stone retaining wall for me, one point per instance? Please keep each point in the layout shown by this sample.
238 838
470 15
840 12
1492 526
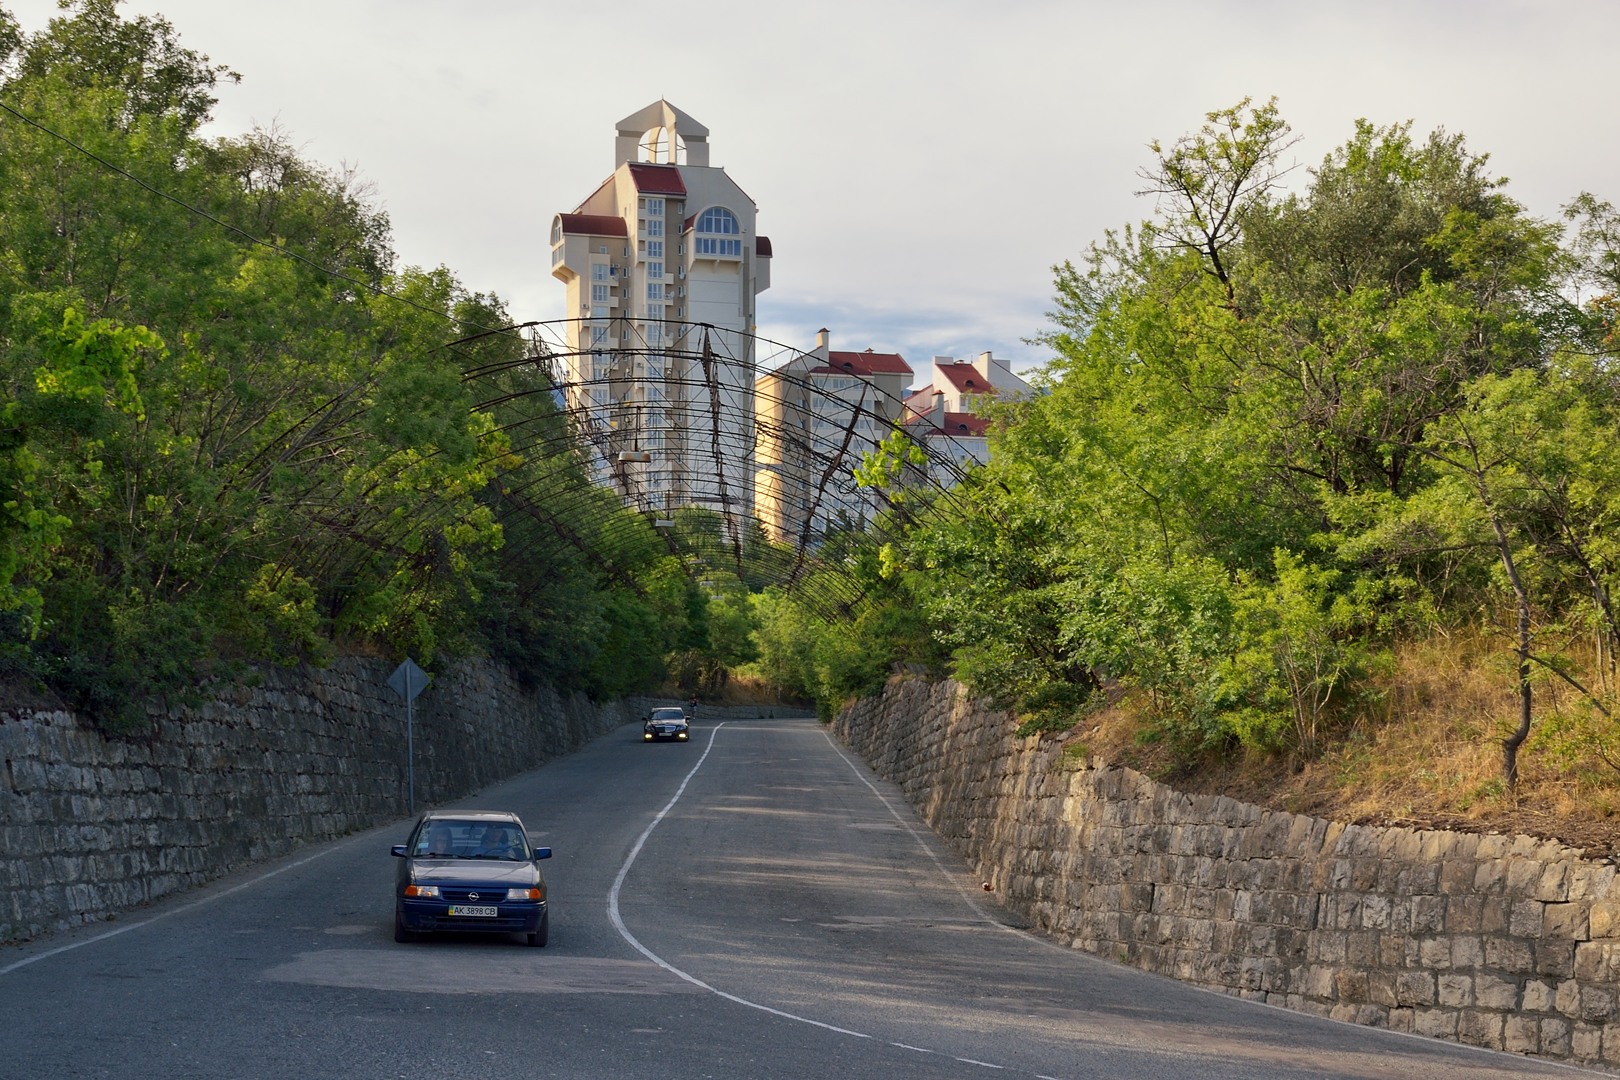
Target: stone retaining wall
1504 942
91 825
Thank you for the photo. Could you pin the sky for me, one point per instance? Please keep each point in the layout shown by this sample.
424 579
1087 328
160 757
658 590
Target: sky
919 165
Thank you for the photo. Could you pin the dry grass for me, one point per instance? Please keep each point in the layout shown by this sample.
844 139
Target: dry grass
1428 754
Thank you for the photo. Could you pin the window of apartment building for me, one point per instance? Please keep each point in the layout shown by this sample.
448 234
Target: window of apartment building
655 290
655 334
655 249
653 227
600 311
601 271
599 293
716 229
653 207
655 269
599 334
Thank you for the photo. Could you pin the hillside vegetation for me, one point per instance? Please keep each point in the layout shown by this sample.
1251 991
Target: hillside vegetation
233 429
1319 501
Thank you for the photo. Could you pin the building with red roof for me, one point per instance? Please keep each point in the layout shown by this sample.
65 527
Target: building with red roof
662 264
944 414
819 415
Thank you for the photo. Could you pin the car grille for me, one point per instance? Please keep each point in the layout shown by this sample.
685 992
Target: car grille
462 894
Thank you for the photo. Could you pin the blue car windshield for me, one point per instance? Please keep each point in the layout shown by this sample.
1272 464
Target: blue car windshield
471 840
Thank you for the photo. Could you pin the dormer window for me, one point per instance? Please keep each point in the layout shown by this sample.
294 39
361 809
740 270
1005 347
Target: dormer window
718 233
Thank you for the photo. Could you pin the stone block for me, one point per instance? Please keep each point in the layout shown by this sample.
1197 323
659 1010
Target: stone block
1591 881
1361 948
1456 989
1435 952
1511 955
1555 1037
1553 884
1592 960
1435 1023
1568 998
1480 1027
1489 877
1467 951
1492 991
1597 1004
1381 988
1521 1035
1464 913
1538 996
1415 988
1527 918
1567 921
1604 919
1555 957
1586 1042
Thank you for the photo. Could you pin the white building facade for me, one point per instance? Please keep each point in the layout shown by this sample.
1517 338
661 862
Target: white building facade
819 415
662 264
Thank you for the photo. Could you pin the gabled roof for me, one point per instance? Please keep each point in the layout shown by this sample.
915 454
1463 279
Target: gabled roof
966 379
593 225
869 363
662 114
958 425
653 179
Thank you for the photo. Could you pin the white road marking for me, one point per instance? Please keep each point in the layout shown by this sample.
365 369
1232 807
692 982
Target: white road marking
624 932
635 850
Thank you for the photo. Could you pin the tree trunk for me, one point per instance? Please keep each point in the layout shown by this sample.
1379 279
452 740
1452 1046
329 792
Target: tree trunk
1511 744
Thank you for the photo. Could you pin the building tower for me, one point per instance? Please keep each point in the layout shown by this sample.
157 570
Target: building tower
663 264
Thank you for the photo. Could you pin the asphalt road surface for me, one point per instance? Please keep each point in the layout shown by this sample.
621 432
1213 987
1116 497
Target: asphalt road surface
751 904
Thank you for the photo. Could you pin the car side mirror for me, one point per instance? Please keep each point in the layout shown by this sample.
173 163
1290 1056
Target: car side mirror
542 853
398 851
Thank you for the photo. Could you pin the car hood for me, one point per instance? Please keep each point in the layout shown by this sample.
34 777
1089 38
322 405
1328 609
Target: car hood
511 875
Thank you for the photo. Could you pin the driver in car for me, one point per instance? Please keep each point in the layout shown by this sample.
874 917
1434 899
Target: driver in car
498 843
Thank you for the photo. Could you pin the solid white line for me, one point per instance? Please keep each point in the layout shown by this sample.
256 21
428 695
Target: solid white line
624 932
176 911
986 1064
954 878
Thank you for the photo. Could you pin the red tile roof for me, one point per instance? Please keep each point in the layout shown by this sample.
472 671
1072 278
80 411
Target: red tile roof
966 379
653 179
593 225
762 246
870 363
958 425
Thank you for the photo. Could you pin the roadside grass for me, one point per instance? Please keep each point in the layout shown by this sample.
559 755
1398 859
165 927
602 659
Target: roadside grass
1426 754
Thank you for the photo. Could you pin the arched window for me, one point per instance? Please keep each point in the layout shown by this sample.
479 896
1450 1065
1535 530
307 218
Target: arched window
718 233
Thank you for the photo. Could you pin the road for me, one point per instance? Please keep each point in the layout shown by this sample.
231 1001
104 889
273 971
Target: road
752 904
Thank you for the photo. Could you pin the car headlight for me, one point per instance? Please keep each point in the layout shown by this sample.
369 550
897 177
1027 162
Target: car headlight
423 892
525 894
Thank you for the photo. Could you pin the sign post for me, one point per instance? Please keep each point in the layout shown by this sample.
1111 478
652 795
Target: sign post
407 681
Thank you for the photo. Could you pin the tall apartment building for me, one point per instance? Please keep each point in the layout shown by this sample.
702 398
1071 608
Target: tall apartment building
662 263
818 415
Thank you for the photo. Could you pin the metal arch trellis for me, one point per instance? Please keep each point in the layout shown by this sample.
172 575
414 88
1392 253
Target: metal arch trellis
576 448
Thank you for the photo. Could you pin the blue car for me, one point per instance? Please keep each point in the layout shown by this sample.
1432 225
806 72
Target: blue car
470 870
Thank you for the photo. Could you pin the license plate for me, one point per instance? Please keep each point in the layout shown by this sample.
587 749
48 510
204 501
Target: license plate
478 912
